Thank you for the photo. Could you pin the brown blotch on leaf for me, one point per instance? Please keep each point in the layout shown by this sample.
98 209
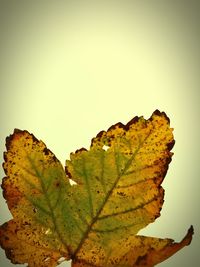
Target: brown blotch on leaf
141 260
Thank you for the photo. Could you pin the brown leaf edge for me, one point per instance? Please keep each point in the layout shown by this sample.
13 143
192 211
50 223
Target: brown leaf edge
153 257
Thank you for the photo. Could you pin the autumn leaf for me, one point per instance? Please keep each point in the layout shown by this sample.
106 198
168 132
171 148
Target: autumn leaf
95 220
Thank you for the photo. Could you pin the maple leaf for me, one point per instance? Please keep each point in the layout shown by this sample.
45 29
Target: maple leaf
116 192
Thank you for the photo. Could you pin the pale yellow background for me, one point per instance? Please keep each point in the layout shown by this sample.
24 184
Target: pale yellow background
72 68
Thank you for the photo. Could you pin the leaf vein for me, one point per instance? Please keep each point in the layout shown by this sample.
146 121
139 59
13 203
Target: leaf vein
128 210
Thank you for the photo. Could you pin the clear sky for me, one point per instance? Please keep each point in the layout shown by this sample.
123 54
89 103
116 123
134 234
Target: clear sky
69 69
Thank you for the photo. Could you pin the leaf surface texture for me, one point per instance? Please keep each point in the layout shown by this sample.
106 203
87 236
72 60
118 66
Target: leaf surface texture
95 221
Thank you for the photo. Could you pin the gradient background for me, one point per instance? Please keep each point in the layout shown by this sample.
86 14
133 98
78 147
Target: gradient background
72 68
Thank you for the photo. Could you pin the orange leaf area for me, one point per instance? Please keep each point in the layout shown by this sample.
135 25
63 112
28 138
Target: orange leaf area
92 210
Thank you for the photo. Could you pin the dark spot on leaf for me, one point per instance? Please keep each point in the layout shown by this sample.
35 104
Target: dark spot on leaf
34 210
122 194
67 172
141 260
46 151
57 184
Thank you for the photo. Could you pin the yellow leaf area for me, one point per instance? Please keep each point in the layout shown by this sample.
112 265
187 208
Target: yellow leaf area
94 221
